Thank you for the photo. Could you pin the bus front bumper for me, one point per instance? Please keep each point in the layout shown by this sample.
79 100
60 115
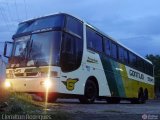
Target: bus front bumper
32 84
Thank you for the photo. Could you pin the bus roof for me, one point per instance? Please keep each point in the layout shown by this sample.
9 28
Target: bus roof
93 27
58 13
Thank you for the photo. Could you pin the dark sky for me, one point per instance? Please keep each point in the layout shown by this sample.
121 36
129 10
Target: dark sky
135 23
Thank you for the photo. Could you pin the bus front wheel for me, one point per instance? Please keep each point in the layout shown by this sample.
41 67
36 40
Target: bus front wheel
90 93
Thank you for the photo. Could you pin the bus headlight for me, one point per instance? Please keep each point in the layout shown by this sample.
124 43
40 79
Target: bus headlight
7 84
47 83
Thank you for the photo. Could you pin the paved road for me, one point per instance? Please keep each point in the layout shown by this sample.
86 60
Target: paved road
104 111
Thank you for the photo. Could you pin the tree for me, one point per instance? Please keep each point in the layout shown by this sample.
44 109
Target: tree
155 59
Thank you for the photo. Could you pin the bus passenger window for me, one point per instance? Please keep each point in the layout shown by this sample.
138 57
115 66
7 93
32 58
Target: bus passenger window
120 54
140 64
125 53
114 50
107 46
94 40
132 60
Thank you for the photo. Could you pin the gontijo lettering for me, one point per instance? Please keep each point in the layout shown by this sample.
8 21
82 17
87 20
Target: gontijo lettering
136 74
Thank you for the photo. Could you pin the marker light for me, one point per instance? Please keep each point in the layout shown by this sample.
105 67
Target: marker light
7 84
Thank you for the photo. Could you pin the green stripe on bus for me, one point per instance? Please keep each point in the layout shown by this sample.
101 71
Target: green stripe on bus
119 79
114 77
109 73
127 83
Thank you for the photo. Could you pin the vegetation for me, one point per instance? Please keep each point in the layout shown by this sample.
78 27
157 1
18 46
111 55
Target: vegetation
22 104
155 59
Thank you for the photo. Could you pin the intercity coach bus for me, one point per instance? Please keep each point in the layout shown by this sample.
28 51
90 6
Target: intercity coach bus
63 56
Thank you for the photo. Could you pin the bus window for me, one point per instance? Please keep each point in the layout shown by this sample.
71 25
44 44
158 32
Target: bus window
132 60
71 53
107 46
114 50
121 54
140 64
151 69
125 53
94 41
148 69
37 24
74 26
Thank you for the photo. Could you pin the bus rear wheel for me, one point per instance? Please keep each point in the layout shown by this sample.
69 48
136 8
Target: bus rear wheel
141 98
146 94
90 94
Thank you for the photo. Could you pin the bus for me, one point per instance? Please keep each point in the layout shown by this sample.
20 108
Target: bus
3 92
65 57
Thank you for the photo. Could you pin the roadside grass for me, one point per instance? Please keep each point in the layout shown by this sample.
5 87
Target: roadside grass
22 103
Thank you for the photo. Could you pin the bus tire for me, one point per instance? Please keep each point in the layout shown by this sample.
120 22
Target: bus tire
90 93
146 94
141 99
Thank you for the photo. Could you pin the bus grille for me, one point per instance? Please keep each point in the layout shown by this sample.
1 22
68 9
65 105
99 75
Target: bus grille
26 74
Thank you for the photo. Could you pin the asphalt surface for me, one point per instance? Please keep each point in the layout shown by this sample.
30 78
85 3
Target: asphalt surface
103 111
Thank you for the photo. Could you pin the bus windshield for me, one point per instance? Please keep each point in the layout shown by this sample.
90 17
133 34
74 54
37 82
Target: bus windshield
43 23
38 49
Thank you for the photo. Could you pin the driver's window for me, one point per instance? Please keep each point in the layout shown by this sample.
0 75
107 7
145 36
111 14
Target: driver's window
68 57
71 52
20 49
68 45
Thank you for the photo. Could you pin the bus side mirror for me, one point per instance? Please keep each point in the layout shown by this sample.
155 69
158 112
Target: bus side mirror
8 49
